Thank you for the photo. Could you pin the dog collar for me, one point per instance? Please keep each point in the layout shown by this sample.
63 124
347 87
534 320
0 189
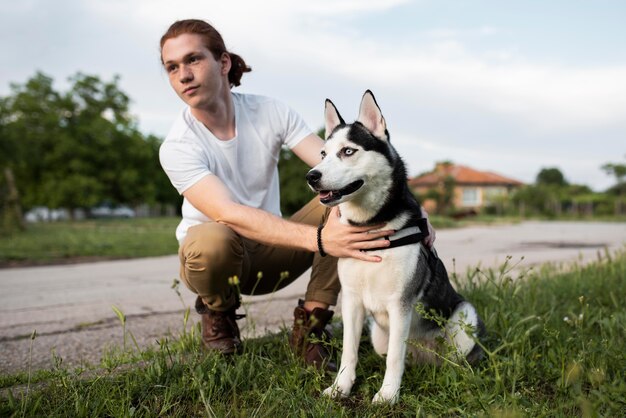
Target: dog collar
415 231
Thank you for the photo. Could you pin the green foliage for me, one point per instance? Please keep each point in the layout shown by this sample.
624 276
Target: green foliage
617 170
447 197
552 196
78 148
442 195
294 192
551 176
555 342
618 191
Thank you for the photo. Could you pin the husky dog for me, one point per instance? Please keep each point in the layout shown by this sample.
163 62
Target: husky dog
408 295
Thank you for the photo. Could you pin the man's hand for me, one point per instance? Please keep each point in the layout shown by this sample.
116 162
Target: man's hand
341 240
430 239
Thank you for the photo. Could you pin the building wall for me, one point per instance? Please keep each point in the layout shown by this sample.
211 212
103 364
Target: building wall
478 196
466 197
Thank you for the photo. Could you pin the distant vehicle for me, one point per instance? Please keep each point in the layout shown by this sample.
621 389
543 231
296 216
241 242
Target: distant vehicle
112 212
44 214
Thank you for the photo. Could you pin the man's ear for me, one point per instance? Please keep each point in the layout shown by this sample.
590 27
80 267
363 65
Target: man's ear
226 63
371 117
332 118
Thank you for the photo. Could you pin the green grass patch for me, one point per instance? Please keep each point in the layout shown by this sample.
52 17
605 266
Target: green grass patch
104 238
59 242
556 343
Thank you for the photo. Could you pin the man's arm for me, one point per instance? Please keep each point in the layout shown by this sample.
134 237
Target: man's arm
308 150
430 239
211 197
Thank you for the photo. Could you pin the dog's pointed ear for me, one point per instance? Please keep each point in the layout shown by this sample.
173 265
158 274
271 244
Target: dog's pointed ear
332 118
371 117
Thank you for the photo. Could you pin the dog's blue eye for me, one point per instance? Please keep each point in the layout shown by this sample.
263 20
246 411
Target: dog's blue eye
348 151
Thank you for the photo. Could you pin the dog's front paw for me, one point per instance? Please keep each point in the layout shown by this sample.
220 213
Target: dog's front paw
334 392
338 390
386 395
341 386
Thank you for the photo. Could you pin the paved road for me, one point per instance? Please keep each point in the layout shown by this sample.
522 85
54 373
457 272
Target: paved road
70 306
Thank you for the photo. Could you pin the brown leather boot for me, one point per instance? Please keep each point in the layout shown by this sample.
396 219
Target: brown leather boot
219 329
310 339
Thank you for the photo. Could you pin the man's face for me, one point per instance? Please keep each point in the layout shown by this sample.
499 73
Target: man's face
196 76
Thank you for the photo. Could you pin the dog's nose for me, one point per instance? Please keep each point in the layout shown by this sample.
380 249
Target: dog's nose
313 177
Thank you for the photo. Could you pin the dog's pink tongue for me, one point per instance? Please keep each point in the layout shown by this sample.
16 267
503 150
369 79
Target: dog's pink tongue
325 194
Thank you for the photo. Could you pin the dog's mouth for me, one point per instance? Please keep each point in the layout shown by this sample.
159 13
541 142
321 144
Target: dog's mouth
329 196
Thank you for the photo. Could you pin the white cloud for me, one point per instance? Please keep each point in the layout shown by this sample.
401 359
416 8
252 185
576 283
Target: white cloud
547 97
435 82
333 7
451 33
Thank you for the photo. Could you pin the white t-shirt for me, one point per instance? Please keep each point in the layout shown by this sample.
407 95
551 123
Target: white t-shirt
247 163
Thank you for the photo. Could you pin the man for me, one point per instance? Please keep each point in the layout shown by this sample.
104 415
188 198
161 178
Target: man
221 155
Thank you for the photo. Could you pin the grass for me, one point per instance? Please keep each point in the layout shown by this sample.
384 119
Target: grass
54 242
556 344
60 242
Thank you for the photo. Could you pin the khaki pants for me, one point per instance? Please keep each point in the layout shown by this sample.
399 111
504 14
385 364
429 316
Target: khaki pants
212 253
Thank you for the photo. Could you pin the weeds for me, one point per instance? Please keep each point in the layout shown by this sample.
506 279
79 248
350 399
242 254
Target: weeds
30 358
555 347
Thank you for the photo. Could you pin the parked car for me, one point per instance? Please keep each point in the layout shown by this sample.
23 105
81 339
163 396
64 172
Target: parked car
105 211
44 214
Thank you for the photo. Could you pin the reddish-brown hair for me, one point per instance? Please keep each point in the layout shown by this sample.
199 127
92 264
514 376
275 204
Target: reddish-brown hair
214 43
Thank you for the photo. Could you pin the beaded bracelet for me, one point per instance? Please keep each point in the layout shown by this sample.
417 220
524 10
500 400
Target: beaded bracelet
320 247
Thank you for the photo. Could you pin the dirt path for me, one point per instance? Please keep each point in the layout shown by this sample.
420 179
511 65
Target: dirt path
70 306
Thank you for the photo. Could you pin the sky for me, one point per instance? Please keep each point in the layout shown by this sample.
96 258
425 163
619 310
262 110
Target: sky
502 86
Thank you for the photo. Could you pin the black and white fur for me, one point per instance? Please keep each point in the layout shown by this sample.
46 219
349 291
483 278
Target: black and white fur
363 174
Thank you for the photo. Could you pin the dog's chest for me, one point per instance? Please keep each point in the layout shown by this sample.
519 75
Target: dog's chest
376 284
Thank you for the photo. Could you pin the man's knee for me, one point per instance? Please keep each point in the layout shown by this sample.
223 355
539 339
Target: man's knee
313 213
210 245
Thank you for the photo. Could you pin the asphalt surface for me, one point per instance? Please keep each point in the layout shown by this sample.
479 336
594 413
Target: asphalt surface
71 306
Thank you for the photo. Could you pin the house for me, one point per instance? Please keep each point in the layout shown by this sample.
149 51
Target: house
462 188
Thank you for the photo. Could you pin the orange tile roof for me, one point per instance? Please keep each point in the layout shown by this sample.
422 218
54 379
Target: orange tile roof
462 175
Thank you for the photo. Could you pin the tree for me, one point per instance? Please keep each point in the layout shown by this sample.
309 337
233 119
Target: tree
616 170
10 208
619 189
29 118
552 195
165 195
551 176
294 192
78 148
103 153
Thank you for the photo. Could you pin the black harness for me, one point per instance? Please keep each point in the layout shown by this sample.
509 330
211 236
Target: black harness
415 231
